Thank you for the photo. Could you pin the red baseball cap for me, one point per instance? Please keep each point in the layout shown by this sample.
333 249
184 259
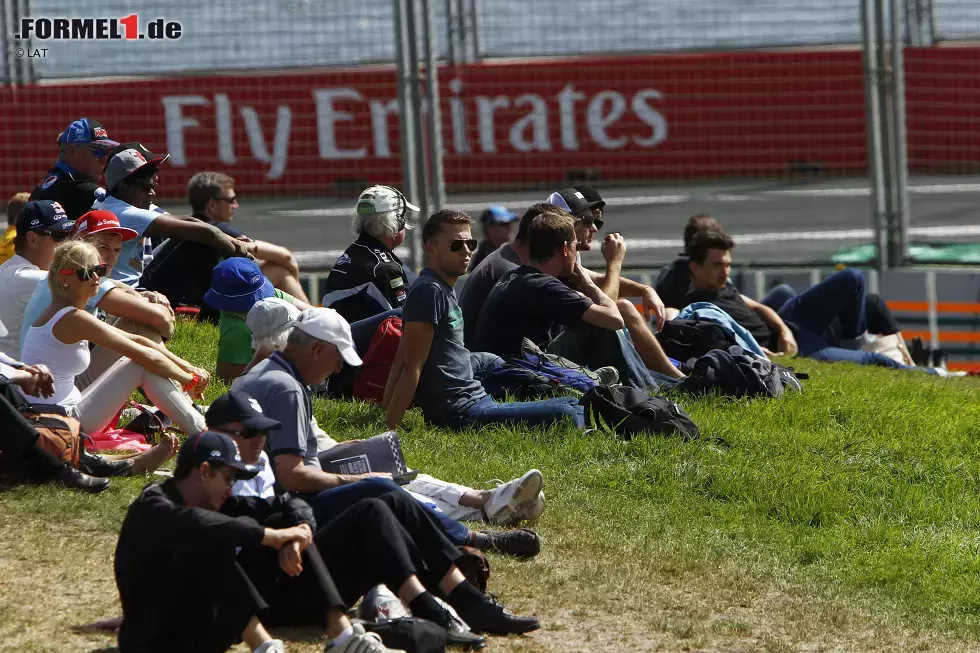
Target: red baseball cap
99 221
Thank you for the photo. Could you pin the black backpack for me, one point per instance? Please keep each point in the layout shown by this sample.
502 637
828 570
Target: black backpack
631 412
686 339
734 373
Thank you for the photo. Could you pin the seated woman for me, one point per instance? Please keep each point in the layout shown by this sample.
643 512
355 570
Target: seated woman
59 338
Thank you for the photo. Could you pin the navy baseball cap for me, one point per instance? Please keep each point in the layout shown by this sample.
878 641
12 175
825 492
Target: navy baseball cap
497 213
236 285
85 131
215 448
239 407
38 215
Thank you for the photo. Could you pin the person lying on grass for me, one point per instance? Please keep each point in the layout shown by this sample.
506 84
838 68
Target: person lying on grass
433 369
60 337
281 386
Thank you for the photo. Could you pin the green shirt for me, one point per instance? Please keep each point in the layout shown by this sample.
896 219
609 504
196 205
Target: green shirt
234 336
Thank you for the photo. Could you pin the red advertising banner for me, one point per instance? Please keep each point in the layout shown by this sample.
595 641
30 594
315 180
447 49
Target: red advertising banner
512 123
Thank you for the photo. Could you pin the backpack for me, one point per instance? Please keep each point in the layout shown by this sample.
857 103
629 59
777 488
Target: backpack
686 339
534 374
631 412
58 433
734 373
373 374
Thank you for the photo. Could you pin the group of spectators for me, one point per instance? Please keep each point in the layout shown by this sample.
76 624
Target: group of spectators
90 286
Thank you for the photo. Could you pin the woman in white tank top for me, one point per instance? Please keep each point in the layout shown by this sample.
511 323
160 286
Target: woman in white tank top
60 337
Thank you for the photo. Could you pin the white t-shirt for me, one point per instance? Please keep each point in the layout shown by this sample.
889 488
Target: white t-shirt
129 268
18 278
261 485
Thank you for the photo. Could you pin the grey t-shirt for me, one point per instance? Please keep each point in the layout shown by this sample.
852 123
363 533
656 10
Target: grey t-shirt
480 282
276 385
447 386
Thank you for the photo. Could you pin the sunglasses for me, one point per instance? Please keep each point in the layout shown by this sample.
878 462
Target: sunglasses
458 244
85 274
56 236
589 220
230 200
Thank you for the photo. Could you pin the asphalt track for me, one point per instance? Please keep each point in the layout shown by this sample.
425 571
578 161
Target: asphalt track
785 222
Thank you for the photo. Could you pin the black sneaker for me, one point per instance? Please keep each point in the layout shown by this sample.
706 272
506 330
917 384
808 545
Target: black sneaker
493 618
521 542
74 479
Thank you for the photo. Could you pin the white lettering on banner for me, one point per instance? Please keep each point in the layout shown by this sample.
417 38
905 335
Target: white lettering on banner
173 114
458 116
566 113
485 106
597 120
222 116
379 126
537 120
327 118
649 115
280 139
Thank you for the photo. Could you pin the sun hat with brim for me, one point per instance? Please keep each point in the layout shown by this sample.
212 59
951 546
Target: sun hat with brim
236 284
101 222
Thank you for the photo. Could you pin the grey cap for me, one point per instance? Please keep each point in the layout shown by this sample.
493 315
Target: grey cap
127 162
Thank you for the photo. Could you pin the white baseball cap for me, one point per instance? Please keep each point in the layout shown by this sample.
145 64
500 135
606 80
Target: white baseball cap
269 316
380 199
328 325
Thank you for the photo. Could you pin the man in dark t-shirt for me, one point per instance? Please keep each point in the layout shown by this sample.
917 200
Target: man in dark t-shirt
433 368
801 324
83 149
498 228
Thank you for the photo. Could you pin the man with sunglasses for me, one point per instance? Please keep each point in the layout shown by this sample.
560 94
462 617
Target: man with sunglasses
73 182
41 225
433 369
132 177
369 278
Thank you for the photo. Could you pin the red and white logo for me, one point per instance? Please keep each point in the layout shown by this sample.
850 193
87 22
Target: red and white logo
137 155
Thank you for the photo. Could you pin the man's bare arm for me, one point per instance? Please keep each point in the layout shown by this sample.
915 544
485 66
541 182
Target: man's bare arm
416 343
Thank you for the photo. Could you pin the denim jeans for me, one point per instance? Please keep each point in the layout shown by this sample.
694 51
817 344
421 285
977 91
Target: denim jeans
595 347
777 296
842 295
327 504
487 411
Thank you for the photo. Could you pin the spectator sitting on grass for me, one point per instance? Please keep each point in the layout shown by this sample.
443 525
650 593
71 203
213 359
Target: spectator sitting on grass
59 339
144 313
281 384
532 302
497 223
41 226
369 278
236 284
14 206
801 324
433 368
181 270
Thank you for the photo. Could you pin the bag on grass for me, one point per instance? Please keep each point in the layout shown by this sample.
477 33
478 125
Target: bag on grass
410 634
58 433
630 412
683 339
535 374
734 373
474 566
373 373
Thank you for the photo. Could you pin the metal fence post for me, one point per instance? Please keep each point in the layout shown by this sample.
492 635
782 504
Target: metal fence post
876 161
475 28
898 234
437 182
417 128
406 121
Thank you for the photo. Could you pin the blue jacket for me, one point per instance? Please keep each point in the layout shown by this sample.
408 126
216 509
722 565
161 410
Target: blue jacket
711 313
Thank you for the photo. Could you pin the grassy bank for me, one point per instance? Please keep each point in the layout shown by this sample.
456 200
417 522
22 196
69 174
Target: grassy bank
843 519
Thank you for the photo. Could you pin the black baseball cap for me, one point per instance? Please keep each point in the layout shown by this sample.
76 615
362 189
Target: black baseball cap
239 407
215 448
591 195
38 215
573 201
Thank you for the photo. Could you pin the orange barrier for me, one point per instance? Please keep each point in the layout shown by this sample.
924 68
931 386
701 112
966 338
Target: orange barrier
941 307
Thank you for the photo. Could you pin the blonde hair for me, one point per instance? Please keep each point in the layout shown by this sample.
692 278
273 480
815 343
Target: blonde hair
70 255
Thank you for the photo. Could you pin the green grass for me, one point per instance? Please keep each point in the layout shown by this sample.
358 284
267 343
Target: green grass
845 518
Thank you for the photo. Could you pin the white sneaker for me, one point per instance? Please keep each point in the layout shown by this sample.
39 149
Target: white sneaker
512 500
361 642
536 508
272 646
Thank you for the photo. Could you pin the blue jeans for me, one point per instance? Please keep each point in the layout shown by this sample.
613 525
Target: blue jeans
777 296
327 504
841 295
487 411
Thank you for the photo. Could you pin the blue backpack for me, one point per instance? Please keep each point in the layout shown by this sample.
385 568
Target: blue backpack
536 374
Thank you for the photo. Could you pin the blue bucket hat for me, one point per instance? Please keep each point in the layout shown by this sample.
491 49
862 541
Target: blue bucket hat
236 285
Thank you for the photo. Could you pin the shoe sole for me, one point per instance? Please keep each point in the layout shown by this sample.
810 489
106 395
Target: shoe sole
524 498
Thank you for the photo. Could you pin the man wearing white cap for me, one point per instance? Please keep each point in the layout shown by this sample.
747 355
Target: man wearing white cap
369 278
132 179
